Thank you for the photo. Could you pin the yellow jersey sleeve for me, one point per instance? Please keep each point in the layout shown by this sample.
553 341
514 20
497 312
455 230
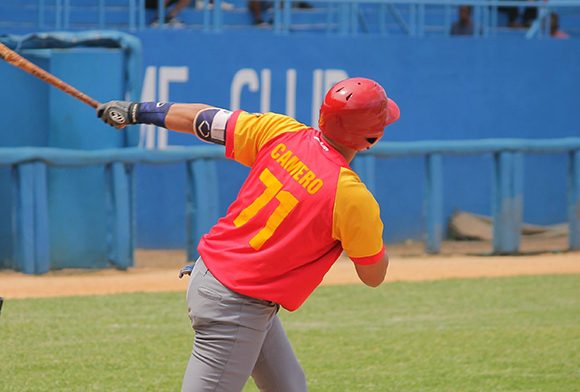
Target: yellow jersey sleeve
247 133
357 222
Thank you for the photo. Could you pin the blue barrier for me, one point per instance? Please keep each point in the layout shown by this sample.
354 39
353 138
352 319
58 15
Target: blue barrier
343 17
119 192
507 194
112 56
130 45
31 250
574 199
29 166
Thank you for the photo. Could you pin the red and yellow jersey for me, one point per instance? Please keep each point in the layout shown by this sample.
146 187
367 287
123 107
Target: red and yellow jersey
299 208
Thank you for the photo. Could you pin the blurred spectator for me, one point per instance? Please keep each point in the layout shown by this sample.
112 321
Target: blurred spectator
555 31
464 25
303 5
530 14
257 9
199 5
170 17
512 14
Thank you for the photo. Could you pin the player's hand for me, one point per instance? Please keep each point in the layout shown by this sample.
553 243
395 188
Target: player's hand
186 270
117 114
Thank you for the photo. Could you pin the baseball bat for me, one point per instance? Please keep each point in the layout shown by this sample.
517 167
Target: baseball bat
18 61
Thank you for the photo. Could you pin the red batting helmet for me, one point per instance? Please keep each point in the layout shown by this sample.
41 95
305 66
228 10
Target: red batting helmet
355 113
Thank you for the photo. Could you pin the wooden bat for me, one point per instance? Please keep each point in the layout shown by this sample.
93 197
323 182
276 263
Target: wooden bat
18 61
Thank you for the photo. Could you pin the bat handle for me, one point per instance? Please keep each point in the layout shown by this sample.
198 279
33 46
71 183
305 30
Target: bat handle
89 101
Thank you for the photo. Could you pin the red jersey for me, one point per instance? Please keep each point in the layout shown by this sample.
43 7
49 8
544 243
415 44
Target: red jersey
299 208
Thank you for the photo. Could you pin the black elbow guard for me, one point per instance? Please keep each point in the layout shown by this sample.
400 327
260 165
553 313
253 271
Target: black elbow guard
210 125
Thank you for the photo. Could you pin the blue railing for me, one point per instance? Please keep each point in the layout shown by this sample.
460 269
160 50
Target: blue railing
30 211
411 17
507 205
345 17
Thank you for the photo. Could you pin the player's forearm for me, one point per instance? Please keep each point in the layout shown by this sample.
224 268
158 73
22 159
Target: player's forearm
374 274
174 116
206 122
181 115
177 117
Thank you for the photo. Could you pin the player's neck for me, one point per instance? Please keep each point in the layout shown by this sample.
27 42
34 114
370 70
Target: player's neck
347 153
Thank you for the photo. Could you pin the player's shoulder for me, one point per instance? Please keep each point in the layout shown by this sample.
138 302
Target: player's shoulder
349 178
354 204
272 119
351 189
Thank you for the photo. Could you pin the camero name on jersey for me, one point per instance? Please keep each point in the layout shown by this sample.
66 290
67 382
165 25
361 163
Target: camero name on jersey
296 168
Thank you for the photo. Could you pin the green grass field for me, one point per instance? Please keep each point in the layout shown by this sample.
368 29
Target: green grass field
507 334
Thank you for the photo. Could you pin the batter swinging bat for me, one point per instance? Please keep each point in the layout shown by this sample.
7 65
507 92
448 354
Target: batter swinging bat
20 62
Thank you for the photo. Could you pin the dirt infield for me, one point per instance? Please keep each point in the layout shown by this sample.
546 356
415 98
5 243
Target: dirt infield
156 271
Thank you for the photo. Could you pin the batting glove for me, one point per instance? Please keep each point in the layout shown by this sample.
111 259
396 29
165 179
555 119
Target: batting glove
186 270
118 114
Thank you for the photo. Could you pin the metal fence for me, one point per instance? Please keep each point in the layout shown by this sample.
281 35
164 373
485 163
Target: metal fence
31 216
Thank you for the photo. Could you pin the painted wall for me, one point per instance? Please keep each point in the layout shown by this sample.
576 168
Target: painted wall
447 88
35 115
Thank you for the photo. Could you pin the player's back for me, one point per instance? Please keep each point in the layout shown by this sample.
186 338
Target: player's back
276 241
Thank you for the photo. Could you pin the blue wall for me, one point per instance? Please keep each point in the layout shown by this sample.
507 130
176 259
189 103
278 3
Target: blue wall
20 129
447 88
36 115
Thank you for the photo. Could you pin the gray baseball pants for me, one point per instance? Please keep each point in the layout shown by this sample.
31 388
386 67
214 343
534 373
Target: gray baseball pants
235 337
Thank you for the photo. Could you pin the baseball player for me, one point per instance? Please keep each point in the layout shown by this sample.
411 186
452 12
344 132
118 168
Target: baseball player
299 209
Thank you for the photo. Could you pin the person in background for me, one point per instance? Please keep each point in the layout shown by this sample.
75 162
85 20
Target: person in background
224 5
513 14
528 15
173 8
464 25
257 9
555 31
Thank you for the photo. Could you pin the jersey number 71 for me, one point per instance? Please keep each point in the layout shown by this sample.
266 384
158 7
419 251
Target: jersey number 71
286 200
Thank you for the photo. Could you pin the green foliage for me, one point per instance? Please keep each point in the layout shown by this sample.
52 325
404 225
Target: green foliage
507 334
